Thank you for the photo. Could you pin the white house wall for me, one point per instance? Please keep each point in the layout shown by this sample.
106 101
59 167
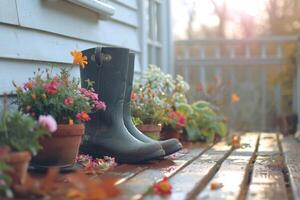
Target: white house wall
37 33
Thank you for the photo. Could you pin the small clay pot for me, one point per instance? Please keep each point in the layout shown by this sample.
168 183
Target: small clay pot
61 148
168 132
19 162
151 130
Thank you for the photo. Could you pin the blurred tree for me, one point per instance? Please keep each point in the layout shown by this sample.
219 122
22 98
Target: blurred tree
221 12
283 17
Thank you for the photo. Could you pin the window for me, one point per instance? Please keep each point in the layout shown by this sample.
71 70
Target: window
153 8
155 34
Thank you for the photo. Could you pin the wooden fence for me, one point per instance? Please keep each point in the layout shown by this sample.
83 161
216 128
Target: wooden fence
248 68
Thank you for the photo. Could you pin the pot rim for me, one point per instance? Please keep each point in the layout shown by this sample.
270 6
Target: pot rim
149 127
62 127
18 157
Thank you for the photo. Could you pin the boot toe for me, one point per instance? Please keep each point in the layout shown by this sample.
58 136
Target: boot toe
144 153
151 151
171 146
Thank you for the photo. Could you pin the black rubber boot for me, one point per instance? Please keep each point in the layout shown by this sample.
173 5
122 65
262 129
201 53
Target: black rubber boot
170 146
106 133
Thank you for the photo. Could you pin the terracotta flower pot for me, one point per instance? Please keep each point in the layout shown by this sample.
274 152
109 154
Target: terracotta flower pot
168 132
151 130
61 149
19 162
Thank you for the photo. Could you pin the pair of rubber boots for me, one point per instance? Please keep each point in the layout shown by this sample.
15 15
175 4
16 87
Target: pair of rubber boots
111 132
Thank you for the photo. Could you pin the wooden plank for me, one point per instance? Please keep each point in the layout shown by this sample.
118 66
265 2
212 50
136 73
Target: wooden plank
198 173
124 172
291 149
267 181
137 186
234 171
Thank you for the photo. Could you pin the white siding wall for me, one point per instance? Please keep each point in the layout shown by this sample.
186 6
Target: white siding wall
39 33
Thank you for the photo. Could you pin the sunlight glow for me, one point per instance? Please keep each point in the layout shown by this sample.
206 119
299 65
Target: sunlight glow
205 13
249 7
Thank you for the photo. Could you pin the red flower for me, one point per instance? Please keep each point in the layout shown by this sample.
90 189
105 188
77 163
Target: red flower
163 187
68 101
28 85
83 116
181 121
51 88
178 117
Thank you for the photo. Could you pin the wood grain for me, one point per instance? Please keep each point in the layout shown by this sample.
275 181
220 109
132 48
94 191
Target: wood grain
267 181
196 173
137 186
234 171
291 153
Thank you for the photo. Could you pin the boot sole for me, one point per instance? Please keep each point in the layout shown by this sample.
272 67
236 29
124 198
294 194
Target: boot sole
90 150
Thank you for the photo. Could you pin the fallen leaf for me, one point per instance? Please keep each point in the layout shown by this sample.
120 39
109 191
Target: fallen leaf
216 186
235 141
162 187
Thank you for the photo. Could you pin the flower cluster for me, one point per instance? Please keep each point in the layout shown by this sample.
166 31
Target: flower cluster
58 95
93 98
95 166
156 95
176 119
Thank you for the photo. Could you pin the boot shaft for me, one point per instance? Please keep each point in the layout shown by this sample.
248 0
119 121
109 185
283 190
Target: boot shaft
109 76
129 80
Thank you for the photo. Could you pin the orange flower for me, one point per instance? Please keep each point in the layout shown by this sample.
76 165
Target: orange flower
163 187
235 141
235 98
83 116
28 85
79 58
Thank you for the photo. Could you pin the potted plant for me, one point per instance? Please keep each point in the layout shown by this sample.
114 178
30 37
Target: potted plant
153 98
60 96
21 133
148 111
173 127
202 123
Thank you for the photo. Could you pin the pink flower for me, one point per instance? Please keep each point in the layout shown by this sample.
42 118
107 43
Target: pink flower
51 88
100 105
48 122
68 101
89 94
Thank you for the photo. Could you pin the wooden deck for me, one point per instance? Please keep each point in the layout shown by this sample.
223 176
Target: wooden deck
266 166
